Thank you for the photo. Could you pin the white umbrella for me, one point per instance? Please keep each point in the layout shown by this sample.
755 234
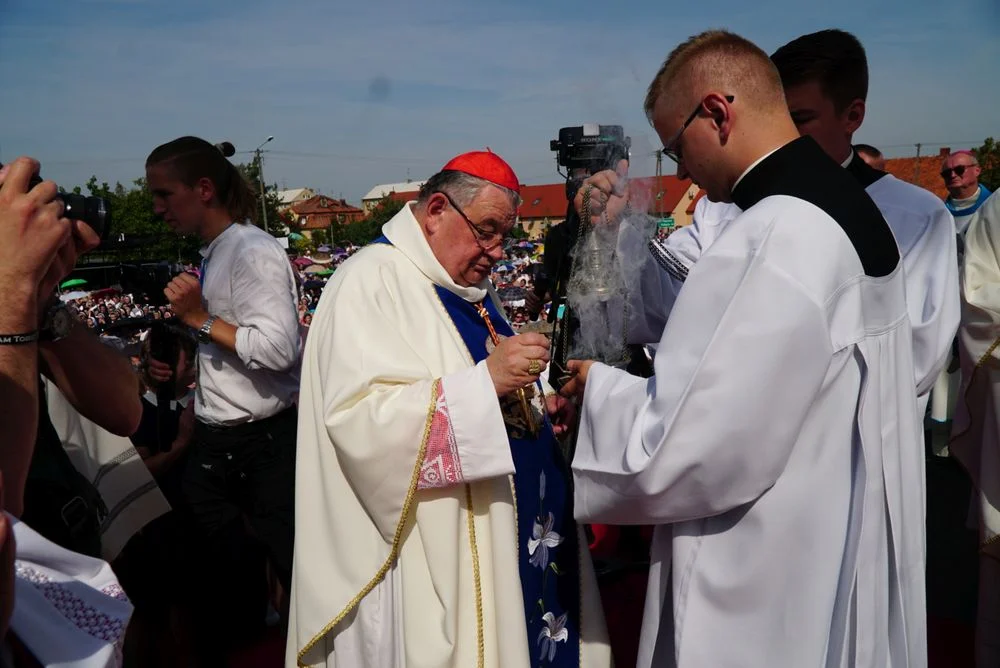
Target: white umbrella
76 294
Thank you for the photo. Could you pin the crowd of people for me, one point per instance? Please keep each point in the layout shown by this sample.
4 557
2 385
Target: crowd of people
415 483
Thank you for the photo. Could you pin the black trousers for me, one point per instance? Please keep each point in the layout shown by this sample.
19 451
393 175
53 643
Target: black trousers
246 471
238 479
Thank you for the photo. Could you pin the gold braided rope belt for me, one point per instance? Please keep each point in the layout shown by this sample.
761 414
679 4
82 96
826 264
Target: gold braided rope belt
522 396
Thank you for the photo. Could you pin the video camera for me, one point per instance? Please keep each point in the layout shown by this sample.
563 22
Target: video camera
582 151
586 149
94 211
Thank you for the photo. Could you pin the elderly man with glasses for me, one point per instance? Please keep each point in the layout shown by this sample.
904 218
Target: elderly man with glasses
434 510
966 194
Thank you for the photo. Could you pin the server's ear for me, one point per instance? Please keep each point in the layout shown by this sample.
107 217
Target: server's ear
854 116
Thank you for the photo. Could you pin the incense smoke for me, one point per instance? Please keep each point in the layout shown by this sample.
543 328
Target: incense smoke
607 265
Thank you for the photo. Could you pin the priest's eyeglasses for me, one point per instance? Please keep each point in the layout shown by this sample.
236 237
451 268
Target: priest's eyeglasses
486 239
672 150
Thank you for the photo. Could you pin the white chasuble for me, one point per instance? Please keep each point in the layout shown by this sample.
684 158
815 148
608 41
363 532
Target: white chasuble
406 549
773 446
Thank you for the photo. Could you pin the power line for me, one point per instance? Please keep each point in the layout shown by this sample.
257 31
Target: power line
285 155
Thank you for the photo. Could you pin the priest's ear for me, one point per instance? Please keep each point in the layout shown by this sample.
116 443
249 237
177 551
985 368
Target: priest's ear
434 209
853 116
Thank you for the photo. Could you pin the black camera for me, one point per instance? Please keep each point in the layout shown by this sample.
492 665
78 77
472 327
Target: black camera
591 147
94 211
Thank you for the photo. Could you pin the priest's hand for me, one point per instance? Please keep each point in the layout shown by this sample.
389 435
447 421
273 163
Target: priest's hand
518 361
608 192
561 412
577 383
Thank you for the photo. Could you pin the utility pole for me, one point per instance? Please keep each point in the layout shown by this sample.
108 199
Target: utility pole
260 179
916 176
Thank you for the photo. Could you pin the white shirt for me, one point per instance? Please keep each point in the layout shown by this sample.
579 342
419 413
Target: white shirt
248 281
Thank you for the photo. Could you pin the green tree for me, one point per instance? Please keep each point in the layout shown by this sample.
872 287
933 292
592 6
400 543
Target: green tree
277 223
300 244
137 234
320 237
989 160
369 228
517 232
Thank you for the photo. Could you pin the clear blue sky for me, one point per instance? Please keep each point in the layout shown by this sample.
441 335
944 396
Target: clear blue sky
372 92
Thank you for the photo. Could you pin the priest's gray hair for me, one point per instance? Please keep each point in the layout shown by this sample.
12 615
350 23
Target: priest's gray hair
461 187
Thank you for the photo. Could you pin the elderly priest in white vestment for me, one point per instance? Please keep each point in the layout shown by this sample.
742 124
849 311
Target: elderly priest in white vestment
434 509
976 432
773 447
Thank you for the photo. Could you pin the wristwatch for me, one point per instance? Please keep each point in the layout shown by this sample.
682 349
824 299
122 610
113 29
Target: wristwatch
205 333
58 323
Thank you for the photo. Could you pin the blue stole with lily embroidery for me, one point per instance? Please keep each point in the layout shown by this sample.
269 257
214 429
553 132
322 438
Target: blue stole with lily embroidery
547 542
547 545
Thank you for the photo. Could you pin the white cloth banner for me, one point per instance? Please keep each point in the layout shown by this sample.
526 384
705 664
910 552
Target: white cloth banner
114 467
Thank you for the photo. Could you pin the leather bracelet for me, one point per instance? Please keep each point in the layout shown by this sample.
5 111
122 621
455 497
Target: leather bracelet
19 339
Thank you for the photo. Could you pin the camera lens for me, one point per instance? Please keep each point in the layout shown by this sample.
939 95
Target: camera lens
93 211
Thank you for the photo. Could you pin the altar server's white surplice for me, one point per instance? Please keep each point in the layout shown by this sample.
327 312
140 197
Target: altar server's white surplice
773 447
923 229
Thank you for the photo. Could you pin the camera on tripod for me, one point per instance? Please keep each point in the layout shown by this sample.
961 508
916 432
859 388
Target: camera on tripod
590 148
582 151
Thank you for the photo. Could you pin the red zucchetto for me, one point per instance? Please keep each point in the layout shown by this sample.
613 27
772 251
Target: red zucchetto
485 165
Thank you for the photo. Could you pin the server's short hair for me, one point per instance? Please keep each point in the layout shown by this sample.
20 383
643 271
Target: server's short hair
721 59
833 58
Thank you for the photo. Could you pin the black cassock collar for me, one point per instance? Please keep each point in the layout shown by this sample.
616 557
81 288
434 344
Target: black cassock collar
801 169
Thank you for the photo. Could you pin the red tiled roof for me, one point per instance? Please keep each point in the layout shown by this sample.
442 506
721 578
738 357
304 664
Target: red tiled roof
690 209
549 200
404 197
543 201
324 205
664 192
924 172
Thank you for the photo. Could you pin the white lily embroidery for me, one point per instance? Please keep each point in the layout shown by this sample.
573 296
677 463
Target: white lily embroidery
543 538
554 632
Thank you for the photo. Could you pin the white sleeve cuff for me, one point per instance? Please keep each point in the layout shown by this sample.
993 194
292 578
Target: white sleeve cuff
480 434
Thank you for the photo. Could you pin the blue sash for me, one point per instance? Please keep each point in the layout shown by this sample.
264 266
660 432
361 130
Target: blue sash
548 549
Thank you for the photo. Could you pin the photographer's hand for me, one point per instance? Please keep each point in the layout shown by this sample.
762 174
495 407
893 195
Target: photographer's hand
32 232
83 239
608 191
32 229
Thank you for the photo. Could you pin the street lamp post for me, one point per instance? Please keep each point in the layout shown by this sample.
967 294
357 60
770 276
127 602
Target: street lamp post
260 179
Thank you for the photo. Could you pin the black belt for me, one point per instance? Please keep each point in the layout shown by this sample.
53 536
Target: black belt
247 428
